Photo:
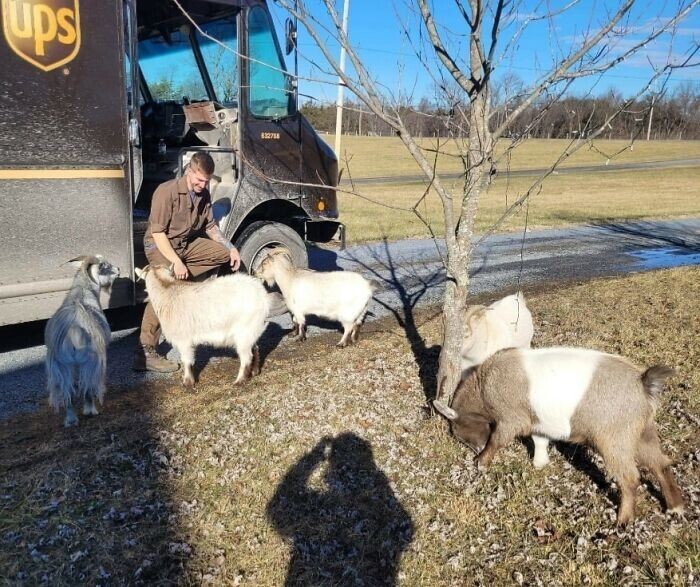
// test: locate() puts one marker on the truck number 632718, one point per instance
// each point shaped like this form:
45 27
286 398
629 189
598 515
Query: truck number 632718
270 135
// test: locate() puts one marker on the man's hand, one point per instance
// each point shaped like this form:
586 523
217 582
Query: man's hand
235 259
180 270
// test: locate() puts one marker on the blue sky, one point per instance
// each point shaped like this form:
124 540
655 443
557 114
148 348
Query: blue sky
391 57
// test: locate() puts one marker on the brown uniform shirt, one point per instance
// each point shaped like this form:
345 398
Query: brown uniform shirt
182 216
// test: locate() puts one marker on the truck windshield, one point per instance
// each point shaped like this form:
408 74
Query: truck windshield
220 57
170 69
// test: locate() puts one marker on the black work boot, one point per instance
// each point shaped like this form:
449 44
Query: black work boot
146 358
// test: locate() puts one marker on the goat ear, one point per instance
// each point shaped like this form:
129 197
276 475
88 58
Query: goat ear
446 411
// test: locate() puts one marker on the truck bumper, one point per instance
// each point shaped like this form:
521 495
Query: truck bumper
324 231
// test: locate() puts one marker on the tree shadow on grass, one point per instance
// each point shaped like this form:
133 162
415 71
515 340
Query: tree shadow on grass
344 522
410 289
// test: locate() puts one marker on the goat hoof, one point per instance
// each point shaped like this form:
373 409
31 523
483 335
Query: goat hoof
540 463
624 521
482 462
188 383
342 345
70 423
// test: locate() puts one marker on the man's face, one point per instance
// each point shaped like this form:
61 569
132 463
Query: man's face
198 180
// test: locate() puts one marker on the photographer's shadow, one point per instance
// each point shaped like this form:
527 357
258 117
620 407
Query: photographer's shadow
344 521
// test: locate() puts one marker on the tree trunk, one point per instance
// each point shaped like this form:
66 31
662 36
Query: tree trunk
460 248
449 371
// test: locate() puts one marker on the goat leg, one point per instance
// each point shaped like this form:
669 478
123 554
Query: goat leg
71 419
541 458
256 361
498 439
89 408
619 457
650 456
294 332
347 332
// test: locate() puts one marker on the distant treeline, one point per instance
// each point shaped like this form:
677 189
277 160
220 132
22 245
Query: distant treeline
673 116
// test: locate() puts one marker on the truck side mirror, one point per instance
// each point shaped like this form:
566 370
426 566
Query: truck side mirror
290 33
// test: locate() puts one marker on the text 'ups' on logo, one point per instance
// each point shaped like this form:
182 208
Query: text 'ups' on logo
44 32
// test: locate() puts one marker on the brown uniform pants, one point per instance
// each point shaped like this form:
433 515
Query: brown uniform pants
200 256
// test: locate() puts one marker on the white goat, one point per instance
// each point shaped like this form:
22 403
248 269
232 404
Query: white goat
335 295
504 324
579 395
228 311
76 339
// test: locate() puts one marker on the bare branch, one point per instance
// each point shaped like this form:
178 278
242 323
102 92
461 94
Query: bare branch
468 85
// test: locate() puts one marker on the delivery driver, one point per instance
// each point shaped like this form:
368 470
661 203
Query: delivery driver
181 232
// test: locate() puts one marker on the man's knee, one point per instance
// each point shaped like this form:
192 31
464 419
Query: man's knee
221 254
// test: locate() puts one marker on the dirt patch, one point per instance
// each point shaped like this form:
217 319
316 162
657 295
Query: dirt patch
325 470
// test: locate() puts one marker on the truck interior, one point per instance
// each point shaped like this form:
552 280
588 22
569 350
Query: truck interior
174 101
183 88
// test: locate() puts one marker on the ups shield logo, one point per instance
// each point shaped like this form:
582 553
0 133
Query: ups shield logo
46 33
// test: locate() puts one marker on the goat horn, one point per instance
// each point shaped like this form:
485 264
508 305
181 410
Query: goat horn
85 260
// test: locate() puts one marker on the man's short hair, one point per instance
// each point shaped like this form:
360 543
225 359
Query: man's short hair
202 161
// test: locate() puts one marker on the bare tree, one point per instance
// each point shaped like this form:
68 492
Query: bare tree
467 42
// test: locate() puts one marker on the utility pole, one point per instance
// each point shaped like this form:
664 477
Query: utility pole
339 101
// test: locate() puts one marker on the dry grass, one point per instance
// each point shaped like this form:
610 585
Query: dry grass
326 468
565 199
386 156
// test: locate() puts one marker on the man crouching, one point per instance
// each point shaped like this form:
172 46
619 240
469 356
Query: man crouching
182 232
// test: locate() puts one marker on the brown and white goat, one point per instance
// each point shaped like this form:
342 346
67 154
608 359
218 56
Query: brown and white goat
571 394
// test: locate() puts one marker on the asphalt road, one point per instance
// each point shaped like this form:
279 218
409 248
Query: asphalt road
409 275
611 168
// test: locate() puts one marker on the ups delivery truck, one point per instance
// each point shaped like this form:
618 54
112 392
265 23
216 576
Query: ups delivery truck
103 100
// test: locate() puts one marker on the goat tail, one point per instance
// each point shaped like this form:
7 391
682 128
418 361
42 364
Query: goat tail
654 378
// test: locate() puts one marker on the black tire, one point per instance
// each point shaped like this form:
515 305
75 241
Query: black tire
261 235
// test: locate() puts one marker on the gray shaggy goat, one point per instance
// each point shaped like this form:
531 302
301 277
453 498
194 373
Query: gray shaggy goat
76 338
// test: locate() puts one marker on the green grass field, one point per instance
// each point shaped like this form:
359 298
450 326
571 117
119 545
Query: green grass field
564 199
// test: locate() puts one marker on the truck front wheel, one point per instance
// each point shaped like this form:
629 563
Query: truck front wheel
257 239
260 236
